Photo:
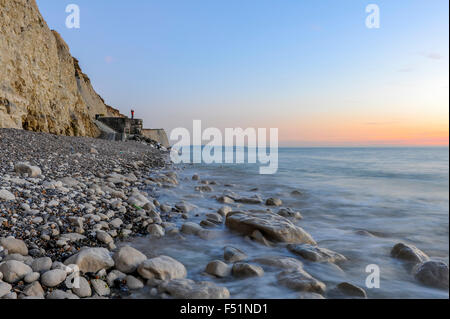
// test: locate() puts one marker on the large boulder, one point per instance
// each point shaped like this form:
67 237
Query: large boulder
432 273
14 246
300 280
315 253
162 268
189 289
91 260
127 259
14 270
409 253
232 255
272 226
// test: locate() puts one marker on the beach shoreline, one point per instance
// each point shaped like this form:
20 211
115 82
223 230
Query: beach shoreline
62 194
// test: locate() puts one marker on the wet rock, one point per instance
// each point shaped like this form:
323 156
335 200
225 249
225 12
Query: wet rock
53 278
215 218
289 213
249 200
279 262
232 254
91 260
207 224
14 246
14 270
223 211
244 270
315 253
163 268
208 234
274 202
83 288
259 237
189 289
351 290
185 207
298 279
155 230
165 208
432 273
272 226
225 200
309 295
409 253
204 188
127 259
190 228
218 268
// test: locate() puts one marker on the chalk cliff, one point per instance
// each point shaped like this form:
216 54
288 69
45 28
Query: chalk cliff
42 87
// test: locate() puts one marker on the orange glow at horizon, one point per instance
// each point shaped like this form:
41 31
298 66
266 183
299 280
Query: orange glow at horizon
356 132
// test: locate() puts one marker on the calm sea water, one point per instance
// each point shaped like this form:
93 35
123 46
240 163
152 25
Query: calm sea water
395 194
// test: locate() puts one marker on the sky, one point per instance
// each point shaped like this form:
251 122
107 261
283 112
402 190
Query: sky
312 69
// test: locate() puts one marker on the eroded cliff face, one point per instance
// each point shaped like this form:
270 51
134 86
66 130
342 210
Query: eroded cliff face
42 87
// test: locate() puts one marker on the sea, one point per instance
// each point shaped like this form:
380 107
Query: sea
359 202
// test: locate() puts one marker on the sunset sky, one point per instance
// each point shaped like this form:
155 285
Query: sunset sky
310 68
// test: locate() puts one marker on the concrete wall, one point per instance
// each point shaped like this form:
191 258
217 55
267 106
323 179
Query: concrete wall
158 135
123 124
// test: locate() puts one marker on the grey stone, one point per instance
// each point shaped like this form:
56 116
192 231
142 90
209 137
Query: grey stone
274 227
162 267
432 273
218 268
189 289
14 246
91 260
409 253
53 278
315 253
247 270
127 259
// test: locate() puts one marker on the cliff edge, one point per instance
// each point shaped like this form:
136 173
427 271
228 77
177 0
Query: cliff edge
42 87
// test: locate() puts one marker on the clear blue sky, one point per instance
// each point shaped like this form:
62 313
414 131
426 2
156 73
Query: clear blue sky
310 68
